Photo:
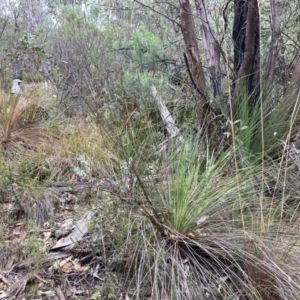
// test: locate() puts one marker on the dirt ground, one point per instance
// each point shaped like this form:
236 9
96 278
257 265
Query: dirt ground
53 247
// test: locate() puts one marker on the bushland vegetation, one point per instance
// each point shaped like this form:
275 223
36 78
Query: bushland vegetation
170 130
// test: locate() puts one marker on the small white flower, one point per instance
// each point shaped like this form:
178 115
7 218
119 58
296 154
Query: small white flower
275 133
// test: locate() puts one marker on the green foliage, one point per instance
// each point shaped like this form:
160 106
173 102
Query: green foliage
139 135
190 198
5 179
146 47
32 77
146 52
200 211
137 86
96 296
191 222
30 249
31 170
262 129
28 49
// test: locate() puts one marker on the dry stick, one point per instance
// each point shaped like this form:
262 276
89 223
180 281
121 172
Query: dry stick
59 293
40 278
150 215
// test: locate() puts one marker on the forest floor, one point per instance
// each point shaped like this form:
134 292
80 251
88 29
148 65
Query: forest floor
54 242
55 248
82 208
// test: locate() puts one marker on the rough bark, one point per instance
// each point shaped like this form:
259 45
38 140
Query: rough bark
189 35
294 87
211 48
276 32
246 48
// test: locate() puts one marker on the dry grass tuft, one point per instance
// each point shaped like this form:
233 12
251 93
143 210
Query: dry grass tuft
40 208
15 113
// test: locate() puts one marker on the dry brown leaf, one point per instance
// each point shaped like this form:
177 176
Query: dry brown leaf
74 267
68 265
59 264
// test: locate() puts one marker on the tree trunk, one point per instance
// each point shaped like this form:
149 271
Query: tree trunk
294 87
211 48
188 32
28 13
275 26
246 49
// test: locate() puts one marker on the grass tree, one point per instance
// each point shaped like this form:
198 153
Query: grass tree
206 228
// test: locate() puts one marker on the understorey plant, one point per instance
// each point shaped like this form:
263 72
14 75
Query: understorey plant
205 228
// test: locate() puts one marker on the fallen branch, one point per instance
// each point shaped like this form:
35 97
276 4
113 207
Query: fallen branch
167 117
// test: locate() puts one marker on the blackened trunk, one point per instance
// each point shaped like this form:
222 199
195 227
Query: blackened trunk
246 50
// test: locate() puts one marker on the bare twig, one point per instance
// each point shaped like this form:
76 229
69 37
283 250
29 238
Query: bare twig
159 13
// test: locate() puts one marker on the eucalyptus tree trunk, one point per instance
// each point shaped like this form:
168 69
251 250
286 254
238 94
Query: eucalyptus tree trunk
246 50
276 32
294 87
194 61
211 48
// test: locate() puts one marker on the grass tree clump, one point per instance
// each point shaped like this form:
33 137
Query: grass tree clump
206 229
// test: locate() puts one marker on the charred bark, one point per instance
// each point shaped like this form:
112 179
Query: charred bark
246 49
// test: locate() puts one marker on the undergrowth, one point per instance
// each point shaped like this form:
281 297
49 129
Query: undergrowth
202 233
211 223
184 220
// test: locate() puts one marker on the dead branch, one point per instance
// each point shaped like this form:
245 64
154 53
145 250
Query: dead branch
167 117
